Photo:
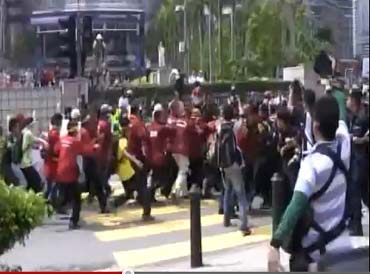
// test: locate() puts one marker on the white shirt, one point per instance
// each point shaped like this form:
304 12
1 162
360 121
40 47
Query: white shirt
314 173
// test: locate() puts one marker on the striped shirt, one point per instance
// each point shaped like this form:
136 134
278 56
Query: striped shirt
314 173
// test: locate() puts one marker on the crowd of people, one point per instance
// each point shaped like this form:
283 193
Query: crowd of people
235 150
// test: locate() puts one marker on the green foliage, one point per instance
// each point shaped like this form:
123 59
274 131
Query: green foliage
20 213
268 34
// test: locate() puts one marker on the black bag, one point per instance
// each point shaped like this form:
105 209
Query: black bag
17 151
227 152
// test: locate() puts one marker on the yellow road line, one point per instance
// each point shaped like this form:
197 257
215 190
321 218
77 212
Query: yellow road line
147 256
154 229
131 214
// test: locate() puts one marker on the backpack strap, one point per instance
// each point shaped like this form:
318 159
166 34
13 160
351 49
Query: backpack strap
325 237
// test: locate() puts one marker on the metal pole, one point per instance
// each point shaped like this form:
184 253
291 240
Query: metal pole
195 227
220 39
78 40
210 46
232 35
186 52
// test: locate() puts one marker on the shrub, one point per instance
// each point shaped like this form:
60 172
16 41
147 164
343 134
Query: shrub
20 213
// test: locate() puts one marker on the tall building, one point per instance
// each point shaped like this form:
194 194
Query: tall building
336 15
361 28
2 26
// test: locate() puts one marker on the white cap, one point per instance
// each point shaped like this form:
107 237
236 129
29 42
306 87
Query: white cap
157 108
99 37
130 92
75 114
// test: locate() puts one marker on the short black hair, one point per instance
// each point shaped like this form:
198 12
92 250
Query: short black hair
135 109
284 115
297 90
124 121
264 108
13 122
327 114
56 119
228 112
309 98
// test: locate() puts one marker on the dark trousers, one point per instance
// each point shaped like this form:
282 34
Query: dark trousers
129 187
94 181
196 176
264 170
158 178
71 192
144 191
358 188
172 170
33 179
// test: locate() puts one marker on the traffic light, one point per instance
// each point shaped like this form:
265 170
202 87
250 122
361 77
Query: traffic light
87 40
87 34
67 47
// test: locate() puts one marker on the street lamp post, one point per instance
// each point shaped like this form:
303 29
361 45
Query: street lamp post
184 44
230 12
78 40
207 13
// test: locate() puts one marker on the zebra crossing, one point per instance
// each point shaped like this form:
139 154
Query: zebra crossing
135 244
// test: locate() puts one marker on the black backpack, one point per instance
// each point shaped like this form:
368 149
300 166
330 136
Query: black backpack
294 246
17 150
227 151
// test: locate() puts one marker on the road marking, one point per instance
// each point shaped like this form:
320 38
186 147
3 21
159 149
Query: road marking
147 256
128 215
154 229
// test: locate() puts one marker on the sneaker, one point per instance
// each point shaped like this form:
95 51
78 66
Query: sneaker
246 232
147 218
73 226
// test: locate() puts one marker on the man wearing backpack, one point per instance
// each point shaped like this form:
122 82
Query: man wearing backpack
230 160
316 216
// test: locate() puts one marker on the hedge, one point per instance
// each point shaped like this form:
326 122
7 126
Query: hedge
112 95
20 212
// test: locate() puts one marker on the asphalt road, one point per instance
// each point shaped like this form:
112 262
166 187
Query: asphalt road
121 240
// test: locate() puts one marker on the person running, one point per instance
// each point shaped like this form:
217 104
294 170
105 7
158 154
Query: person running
125 170
90 166
359 128
28 140
137 145
50 159
320 190
68 149
230 161
159 134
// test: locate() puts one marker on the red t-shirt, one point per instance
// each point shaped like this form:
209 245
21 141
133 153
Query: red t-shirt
51 160
137 138
68 149
157 144
198 132
105 139
182 138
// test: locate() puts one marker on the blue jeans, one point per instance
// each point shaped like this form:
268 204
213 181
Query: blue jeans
234 183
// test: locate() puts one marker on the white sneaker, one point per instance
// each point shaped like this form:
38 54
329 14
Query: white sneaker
257 202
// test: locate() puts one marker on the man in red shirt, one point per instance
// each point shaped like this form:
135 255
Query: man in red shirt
198 132
68 171
137 146
105 152
90 166
159 134
180 145
50 159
